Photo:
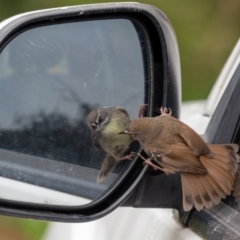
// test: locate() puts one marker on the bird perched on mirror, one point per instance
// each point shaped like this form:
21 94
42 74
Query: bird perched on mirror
207 170
104 124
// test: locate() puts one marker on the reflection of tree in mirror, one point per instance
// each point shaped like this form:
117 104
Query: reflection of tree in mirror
53 136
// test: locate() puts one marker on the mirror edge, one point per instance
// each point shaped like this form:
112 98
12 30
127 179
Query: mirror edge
171 97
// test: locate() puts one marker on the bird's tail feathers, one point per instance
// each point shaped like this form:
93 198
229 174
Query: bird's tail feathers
108 164
204 190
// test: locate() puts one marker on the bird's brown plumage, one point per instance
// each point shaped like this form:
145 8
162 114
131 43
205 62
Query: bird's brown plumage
207 171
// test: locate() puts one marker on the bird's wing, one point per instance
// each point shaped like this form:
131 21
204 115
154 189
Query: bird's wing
96 144
194 141
178 158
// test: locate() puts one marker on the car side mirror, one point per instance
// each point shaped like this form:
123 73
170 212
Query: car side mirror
59 65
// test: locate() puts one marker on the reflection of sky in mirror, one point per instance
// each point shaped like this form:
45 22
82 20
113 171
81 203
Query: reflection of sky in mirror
57 68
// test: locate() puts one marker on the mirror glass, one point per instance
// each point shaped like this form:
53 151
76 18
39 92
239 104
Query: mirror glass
51 78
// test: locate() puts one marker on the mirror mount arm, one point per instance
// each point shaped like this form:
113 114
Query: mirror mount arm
159 191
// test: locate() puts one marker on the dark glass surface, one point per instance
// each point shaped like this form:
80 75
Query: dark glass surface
51 77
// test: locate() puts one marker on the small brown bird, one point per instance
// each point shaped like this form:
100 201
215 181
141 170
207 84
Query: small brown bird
104 124
207 171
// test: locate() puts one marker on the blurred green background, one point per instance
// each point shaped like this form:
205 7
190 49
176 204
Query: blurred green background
206 32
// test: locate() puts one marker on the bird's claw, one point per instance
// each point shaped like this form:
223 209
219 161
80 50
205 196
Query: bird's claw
148 162
155 167
165 111
141 110
128 157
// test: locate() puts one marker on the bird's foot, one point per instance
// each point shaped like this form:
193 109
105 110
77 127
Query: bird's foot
128 157
148 162
165 111
141 110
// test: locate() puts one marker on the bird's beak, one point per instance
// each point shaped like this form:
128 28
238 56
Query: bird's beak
124 132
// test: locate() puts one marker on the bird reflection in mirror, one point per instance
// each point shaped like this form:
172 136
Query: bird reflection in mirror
104 124
207 171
